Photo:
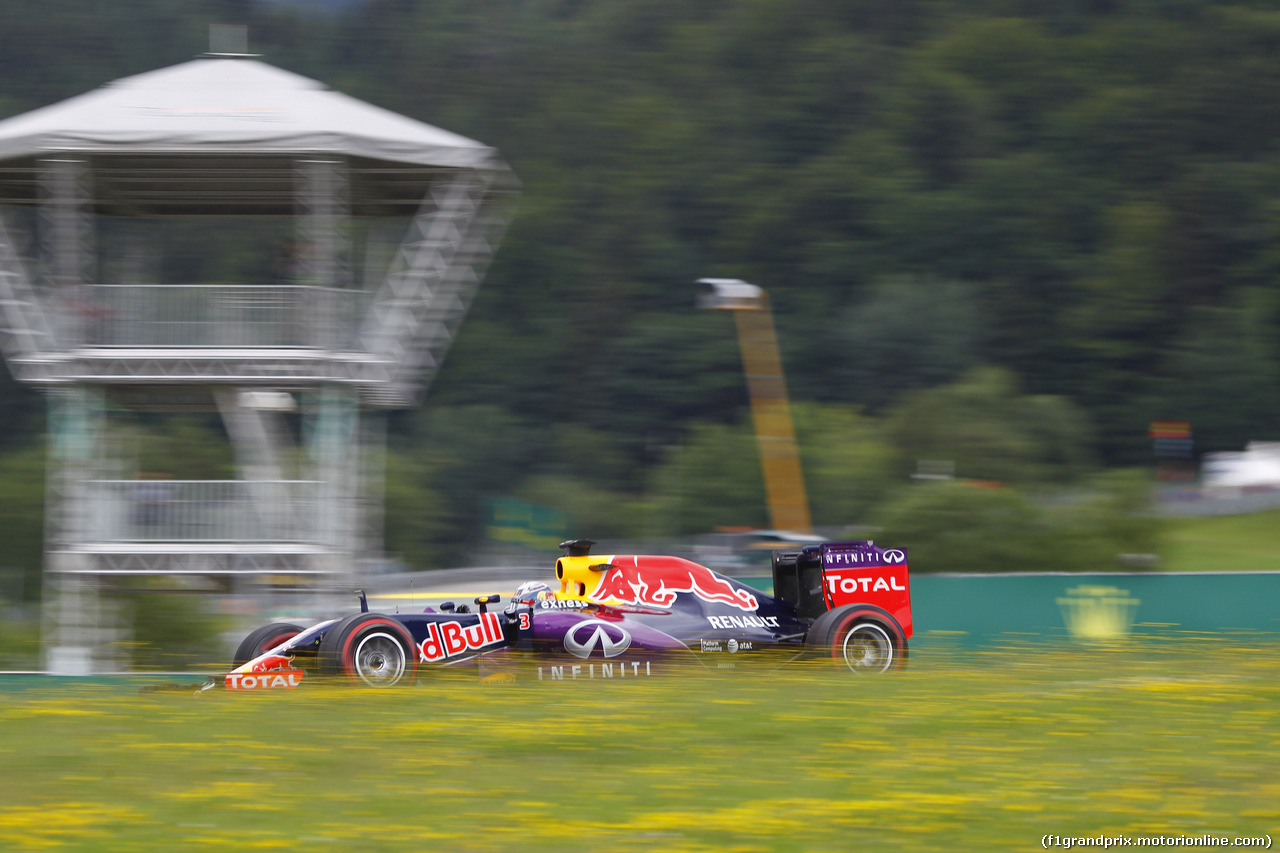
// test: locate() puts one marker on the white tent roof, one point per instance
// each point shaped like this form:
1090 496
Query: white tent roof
223 105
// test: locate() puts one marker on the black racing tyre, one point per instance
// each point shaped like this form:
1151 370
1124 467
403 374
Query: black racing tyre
264 640
859 638
369 649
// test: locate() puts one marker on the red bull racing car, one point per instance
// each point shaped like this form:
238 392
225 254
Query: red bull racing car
614 616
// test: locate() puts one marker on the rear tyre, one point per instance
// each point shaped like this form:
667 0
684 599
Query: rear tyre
264 640
369 649
859 638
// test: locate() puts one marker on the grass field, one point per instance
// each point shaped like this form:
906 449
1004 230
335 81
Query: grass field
986 750
1223 543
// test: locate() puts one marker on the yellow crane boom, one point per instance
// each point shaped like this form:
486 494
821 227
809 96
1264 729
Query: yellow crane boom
770 409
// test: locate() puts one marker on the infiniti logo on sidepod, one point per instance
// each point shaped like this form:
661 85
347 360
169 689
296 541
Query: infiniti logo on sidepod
585 637
893 555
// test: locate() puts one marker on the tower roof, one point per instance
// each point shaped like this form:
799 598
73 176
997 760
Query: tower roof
231 106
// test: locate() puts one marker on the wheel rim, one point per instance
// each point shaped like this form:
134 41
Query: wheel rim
379 660
866 648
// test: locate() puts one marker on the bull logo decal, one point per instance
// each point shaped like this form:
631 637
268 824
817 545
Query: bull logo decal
657 581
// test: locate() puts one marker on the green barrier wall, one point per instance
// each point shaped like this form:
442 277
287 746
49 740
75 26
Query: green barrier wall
1101 606
1094 606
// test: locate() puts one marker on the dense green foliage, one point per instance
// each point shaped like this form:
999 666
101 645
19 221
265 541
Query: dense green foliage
21 523
1005 233
1243 542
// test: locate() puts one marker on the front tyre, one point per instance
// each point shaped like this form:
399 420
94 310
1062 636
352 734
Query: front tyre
369 649
264 640
859 638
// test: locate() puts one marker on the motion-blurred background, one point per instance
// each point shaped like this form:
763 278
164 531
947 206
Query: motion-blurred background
1001 240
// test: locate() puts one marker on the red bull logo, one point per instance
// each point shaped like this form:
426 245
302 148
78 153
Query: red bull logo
657 580
450 639
267 663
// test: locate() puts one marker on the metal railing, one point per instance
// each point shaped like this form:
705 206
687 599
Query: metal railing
172 511
214 316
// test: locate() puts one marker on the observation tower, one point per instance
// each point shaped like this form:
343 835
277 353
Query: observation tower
223 235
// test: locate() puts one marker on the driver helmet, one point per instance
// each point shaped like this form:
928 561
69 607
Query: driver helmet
531 591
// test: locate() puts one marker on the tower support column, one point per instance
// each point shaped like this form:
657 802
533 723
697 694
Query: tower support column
77 626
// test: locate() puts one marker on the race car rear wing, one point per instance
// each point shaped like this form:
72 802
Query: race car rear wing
818 578
797 580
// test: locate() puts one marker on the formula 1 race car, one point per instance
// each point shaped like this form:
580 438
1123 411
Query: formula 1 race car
616 616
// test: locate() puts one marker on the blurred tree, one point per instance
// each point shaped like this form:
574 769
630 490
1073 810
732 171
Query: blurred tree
848 466
710 479
602 457
464 455
1223 375
1124 320
666 370
1110 517
911 333
173 630
955 527
21 522
415 513
991 432
185 447
23 409
593 511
